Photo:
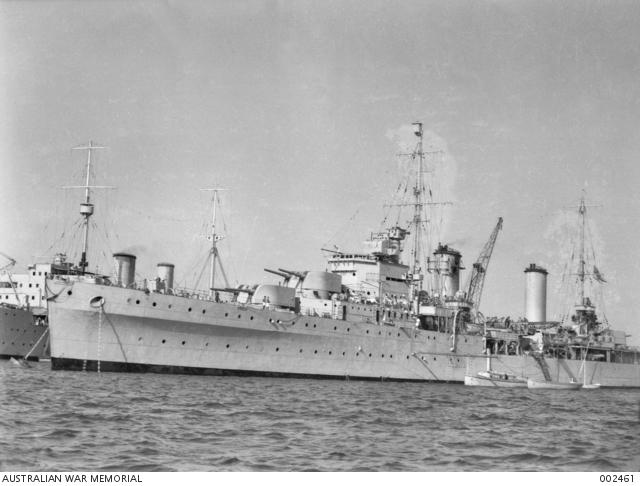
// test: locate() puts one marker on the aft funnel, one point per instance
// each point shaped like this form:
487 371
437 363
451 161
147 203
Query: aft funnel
535 297
165 274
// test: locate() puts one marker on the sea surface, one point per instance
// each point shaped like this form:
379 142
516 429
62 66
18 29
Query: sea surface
64 420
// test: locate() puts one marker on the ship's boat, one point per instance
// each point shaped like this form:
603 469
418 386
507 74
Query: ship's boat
368 316
591 386
493 379
553 385
490 378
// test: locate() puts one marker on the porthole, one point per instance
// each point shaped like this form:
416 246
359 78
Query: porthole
367 331
335 328
164 341
239 316
169 306
251 318
398 334
277 349
379 333
383 355
69 292
407 356
227 346
357 354
348 329
301 350
306 324
330 352
154 304
226 314
204 311
184 342
206 344
189 309
369 355
139 339
315 352
314 325
391 356
434 358
343 353
137 301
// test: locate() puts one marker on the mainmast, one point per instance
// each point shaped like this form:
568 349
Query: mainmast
214 238
418 203
86 208
582 210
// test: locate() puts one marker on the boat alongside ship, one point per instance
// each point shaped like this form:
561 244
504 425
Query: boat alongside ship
367 316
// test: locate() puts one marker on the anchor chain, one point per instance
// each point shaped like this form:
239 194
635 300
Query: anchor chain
100 315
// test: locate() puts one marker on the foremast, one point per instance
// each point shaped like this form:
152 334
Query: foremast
419 255
87 207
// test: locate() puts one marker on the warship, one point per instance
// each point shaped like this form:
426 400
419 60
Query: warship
369 315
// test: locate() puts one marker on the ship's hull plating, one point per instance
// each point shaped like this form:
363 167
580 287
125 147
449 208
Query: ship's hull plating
139 332
19 333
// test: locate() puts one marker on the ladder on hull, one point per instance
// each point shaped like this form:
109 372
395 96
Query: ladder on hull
543 365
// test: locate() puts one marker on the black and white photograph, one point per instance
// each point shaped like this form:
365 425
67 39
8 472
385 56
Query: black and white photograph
338 236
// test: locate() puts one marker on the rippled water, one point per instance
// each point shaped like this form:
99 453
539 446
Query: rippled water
59 420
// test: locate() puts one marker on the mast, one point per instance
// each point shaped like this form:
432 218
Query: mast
417 211
86 208
214 238
581 272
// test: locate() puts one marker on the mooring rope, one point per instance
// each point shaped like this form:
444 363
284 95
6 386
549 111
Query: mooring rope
26 356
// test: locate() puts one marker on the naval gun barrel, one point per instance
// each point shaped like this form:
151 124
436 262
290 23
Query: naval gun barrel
233 290
276 272
300 275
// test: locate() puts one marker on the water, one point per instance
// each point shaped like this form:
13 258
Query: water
59 420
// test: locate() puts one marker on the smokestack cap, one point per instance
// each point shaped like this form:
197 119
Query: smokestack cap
126 255
534 268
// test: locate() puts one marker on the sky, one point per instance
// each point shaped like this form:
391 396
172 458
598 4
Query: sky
299 109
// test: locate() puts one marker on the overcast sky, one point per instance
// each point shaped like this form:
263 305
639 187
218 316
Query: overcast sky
300 109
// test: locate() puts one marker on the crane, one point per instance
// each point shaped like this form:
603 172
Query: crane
11 263
5 269
476 281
